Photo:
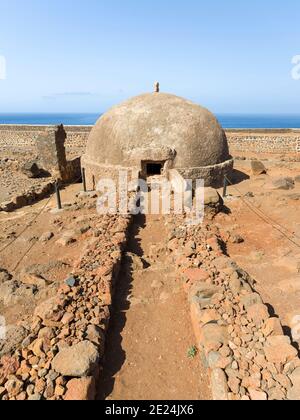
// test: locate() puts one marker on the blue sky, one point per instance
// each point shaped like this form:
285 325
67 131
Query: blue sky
84 56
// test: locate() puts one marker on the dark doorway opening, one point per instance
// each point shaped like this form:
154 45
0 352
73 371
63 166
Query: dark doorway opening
153 169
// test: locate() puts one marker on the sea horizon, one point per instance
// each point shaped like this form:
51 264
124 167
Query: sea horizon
227 120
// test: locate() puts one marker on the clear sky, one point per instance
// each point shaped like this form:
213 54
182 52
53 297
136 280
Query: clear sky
84 56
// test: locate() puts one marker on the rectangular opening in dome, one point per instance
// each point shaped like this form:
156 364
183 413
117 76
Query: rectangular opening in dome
154 168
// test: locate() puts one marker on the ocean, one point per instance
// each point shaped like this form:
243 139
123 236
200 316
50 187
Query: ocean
240 121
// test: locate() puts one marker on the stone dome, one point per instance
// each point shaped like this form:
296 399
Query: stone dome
157 128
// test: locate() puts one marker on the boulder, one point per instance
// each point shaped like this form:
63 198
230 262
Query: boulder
46 237
258 168
192 276
7 291
31 170
96 336
14 386
80 360
250 300
32 278
295 377
49 311
283 184
14 337
297 179
273 327
213 337
213 202
258 313
294 392
219 385
202 294
4 276
257 395
83 389
278 349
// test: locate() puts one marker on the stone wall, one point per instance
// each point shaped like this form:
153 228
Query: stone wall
26 135
264 141
242 343
259 141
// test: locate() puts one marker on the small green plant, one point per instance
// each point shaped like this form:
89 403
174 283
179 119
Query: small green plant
192 353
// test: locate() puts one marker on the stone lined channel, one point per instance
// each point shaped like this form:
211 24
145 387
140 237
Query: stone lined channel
150 332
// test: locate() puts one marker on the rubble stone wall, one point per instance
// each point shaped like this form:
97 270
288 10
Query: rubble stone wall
260 141
242 343
265 141
26 135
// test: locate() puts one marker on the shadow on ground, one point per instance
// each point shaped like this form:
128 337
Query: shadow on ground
237 177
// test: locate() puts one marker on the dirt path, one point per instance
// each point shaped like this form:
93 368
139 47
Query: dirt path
151 333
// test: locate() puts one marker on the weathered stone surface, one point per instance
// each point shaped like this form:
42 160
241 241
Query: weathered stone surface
258 313
49 311
278 349
258 168
250 300
295 377
14 386
14 337
276 394
219 385
210 160
256 395
77 361
294 392
216 361
31 170
283 184
272 326
203 293
83 389
32 278
7 291
4 276
195 275
213 336
96 336
46 237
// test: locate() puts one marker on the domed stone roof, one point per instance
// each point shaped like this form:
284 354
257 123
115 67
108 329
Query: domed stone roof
144 125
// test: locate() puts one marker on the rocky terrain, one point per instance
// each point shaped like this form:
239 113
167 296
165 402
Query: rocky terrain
55 352
92 302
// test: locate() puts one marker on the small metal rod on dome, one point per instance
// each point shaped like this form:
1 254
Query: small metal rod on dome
156 87
58 198
83 179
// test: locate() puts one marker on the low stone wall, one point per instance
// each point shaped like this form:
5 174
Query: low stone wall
212 175
26 135
259 141
28 197
70 327
243 345
264 141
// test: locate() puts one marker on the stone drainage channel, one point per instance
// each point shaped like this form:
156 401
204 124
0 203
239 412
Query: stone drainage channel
150 335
